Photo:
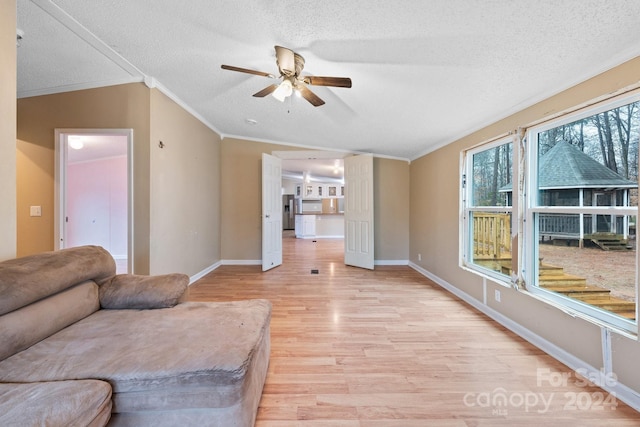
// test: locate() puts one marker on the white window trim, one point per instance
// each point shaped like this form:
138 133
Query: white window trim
524 207
530 267
466 243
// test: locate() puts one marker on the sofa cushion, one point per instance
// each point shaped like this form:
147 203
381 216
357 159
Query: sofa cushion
28 325
31 278
53 404
193 355
136 291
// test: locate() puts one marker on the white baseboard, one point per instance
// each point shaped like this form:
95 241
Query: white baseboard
391 262
241 262
204 272
319 237
620 391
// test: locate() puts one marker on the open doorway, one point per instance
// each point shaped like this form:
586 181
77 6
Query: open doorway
357 213
313 195
93 183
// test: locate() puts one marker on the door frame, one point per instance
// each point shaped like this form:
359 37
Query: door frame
60 184
308 154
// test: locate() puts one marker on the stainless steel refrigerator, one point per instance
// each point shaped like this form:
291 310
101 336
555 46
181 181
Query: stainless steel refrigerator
288 212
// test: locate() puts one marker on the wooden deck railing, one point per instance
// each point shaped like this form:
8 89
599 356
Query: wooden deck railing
561 224
491 236
568 225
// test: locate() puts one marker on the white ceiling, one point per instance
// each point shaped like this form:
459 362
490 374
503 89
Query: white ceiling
95 146
324 166
424 73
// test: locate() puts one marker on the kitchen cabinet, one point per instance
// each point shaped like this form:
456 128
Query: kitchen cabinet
329 226
319 226
310 191
319 190
298 225
334 190
305 226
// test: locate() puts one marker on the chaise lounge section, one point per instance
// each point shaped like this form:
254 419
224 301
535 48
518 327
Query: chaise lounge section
67 318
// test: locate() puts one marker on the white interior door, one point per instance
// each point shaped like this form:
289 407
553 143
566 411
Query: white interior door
271 212
358 211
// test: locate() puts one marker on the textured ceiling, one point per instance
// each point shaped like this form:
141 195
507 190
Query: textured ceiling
424 73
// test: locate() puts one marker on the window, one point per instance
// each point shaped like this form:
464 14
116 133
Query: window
487 201
582 208
577 218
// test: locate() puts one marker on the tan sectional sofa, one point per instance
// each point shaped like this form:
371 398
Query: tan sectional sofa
84 346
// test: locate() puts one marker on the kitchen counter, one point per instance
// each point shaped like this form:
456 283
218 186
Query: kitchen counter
321 213
320 225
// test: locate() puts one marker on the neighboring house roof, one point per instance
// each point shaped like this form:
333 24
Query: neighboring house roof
564 166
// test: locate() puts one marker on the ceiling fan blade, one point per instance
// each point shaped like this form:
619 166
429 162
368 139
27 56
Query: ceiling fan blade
328 81
248 71
285 58
266 91
310 96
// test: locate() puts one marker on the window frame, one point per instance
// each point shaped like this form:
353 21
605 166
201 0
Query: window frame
466 195
524 207
532 208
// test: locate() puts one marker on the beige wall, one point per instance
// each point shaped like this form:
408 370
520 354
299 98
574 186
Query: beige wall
435 183
185 190
180 197
241 202
125 106
7 129
241 197
176 189
391 209
35 188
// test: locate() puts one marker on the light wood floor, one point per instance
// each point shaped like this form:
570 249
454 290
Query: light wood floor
359 348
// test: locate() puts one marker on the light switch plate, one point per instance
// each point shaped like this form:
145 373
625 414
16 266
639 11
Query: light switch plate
36 211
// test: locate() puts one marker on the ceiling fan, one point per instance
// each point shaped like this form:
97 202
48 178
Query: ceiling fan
290 65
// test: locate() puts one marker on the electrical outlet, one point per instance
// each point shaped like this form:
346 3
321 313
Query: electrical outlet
419 257
497 295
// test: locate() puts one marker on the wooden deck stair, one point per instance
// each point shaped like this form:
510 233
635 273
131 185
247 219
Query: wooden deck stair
555 279
609 241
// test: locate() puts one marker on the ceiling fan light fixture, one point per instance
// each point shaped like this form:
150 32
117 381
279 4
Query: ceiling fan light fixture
290 65
284 90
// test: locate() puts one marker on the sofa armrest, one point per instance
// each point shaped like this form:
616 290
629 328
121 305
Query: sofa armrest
137 291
